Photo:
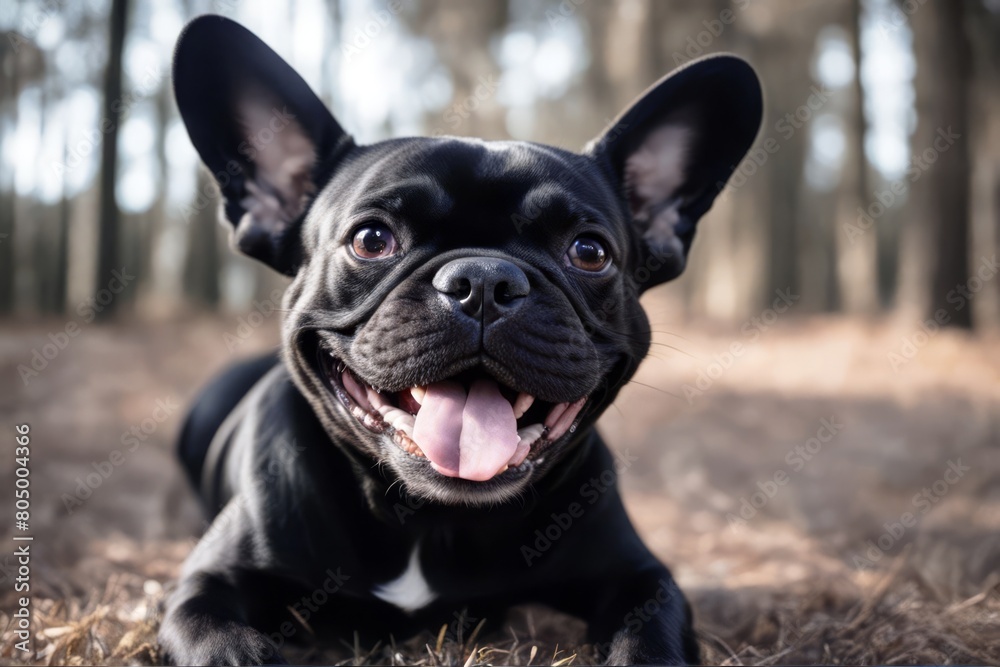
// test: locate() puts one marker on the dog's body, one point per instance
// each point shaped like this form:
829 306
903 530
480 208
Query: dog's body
460 315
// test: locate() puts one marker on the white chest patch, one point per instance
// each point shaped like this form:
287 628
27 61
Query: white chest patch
409 591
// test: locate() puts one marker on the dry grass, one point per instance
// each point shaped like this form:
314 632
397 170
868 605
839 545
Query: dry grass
785 588
834 623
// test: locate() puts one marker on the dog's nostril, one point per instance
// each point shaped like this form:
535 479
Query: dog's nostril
482 282
502 294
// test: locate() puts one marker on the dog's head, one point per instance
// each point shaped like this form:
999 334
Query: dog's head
460 309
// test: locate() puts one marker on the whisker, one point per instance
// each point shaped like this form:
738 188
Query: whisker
676 349
392 485
668 333
649 386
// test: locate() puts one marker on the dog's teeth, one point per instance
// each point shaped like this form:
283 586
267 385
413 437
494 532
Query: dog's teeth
528 435
355 390
384 410
566 419
404 441
418 394
403 422
341 366
377 401
502 469
398 419
372 422
555 413
407 444
522 403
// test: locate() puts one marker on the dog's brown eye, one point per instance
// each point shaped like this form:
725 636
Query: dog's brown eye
587 253
374 241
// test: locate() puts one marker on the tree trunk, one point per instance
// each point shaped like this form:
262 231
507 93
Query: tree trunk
940 210
857 249
108 257
9 92
201 266
984 26
62 244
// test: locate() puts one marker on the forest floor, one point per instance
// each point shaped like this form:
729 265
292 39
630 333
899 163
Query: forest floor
818 569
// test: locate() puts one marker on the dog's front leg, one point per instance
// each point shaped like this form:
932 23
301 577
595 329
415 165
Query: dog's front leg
642 618
206 624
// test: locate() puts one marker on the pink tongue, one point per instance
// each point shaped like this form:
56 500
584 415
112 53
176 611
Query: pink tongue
466 436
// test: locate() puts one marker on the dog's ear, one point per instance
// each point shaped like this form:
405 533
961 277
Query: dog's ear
672 151
267 139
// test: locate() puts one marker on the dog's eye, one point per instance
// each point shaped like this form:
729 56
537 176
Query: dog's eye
587 253
373 241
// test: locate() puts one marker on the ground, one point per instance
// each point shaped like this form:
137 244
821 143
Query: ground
826 493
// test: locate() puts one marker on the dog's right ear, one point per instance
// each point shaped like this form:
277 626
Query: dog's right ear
267 139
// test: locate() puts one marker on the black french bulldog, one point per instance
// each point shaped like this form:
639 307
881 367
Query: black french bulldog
460 314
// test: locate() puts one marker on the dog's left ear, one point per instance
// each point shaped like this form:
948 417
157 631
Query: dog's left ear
268 140
672 151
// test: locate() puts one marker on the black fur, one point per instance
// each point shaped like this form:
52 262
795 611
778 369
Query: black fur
308 499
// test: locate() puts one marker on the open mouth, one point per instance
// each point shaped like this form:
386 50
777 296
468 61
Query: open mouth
468 426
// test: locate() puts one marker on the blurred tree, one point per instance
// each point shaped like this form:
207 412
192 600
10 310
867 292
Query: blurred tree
201 260
857 254
51 223
62 233
9 91
108 251
783 36
938 220
462 33
771 230
984 29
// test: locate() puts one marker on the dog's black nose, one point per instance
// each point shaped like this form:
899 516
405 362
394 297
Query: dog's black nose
479 283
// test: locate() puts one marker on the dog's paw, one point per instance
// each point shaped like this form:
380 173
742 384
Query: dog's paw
242 646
